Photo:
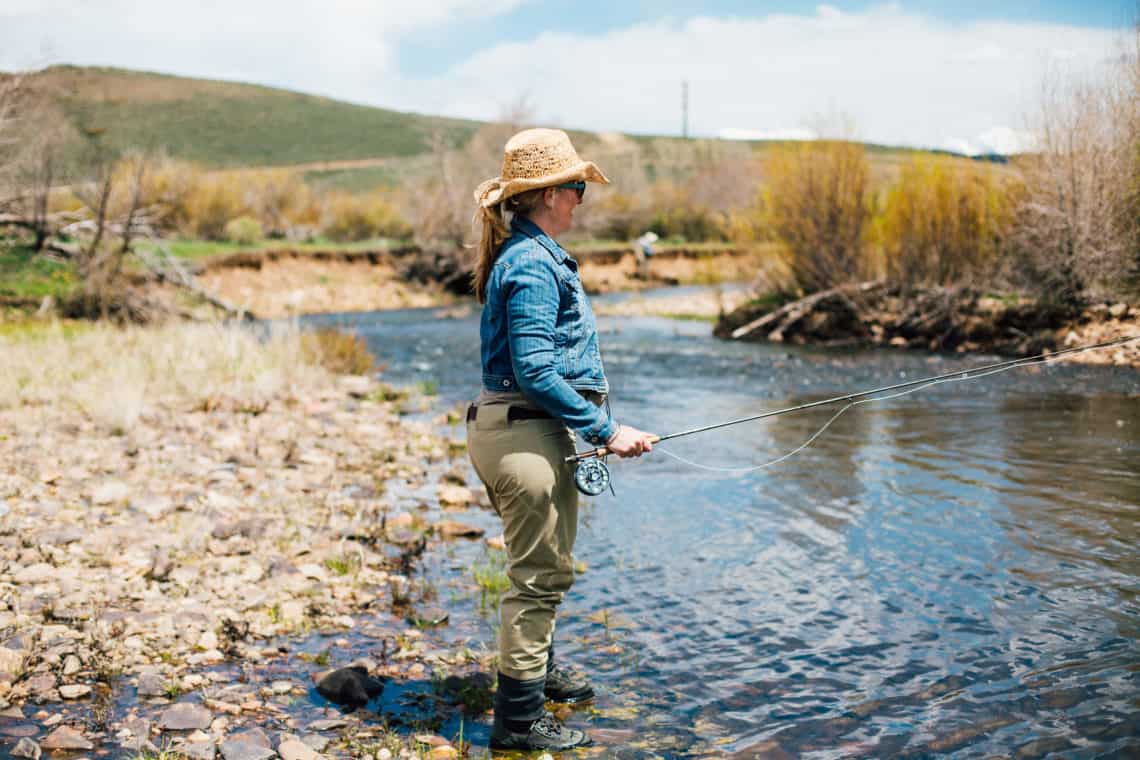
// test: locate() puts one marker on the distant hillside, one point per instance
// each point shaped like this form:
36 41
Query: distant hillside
230 125
223 124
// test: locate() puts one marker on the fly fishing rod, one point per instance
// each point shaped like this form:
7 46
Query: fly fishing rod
592 476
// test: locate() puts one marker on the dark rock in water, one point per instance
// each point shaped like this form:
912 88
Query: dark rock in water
351 687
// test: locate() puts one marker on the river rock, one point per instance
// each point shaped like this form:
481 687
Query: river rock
351 687
327 724
41 572
20 730
292 749
203 750
239 750
11 660
151 684
72 665
66 737
111 492
253 735
185 717
27 748
74 691
4 508
154 506
451 495
42 687
453 529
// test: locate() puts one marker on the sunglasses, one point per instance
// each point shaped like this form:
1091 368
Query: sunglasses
578 187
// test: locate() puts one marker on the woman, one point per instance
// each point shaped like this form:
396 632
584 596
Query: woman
542 378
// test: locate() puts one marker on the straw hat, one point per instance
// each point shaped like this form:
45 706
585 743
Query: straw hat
537 158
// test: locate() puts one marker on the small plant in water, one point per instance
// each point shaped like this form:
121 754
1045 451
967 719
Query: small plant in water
346 564
172 689
491 578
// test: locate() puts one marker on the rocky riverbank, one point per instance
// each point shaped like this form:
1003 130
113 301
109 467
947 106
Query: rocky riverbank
159 564
939 319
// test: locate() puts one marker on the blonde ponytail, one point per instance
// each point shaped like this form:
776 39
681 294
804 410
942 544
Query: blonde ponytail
495 221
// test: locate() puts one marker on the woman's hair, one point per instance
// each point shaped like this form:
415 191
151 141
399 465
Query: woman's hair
496 222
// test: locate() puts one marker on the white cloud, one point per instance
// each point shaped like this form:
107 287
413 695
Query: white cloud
340 48
1004 140
903 78
784 133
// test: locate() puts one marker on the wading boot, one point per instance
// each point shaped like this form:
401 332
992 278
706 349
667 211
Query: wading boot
545 733
521 721
566 686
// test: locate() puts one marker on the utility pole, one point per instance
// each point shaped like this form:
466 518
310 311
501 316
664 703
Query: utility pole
684 108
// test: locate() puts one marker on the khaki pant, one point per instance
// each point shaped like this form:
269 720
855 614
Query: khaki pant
532 488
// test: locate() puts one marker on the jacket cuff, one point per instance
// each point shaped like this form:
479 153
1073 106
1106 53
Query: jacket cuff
602 435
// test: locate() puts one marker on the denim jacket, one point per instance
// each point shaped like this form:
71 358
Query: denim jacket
538 332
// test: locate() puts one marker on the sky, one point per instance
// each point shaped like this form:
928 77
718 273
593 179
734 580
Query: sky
952 75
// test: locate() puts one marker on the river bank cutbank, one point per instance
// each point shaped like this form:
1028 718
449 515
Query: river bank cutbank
190 505
280 283
947 320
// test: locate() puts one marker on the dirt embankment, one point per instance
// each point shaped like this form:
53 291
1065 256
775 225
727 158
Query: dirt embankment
283 282
937 319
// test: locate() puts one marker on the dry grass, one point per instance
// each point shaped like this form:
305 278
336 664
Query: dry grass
114 376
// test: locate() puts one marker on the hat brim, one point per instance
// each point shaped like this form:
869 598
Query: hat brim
496 191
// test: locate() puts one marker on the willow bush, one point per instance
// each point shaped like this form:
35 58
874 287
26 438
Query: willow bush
817 202
944 222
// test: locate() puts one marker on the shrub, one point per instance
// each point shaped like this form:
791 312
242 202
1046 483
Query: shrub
817 203
339 352
943 222
245 230
350 217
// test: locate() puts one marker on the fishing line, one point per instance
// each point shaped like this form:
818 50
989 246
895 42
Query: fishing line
826 425
592 476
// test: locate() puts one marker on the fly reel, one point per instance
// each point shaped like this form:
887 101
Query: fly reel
592 476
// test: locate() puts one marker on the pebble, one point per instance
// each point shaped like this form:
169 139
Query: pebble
111 492
295 750
74 691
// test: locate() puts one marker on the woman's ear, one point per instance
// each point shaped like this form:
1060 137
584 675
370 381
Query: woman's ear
548 197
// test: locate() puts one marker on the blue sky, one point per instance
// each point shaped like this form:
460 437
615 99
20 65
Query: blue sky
960 76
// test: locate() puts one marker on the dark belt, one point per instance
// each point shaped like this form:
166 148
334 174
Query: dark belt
514 414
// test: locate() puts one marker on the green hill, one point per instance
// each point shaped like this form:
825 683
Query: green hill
335 144
225 124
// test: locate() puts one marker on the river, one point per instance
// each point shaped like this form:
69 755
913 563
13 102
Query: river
954 571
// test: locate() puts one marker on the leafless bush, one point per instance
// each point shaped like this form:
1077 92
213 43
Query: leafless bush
1078 227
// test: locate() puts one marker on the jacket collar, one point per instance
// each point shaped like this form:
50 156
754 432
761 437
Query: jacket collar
533 231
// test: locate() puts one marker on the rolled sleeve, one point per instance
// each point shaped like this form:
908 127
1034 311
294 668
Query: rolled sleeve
532 304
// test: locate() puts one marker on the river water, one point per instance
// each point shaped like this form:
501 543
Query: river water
951 572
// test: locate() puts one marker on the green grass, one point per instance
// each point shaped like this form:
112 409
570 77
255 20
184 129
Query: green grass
203 249
354 181
224 124
24 274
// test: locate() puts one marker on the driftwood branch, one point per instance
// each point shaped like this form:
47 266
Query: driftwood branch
167 268
803 305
